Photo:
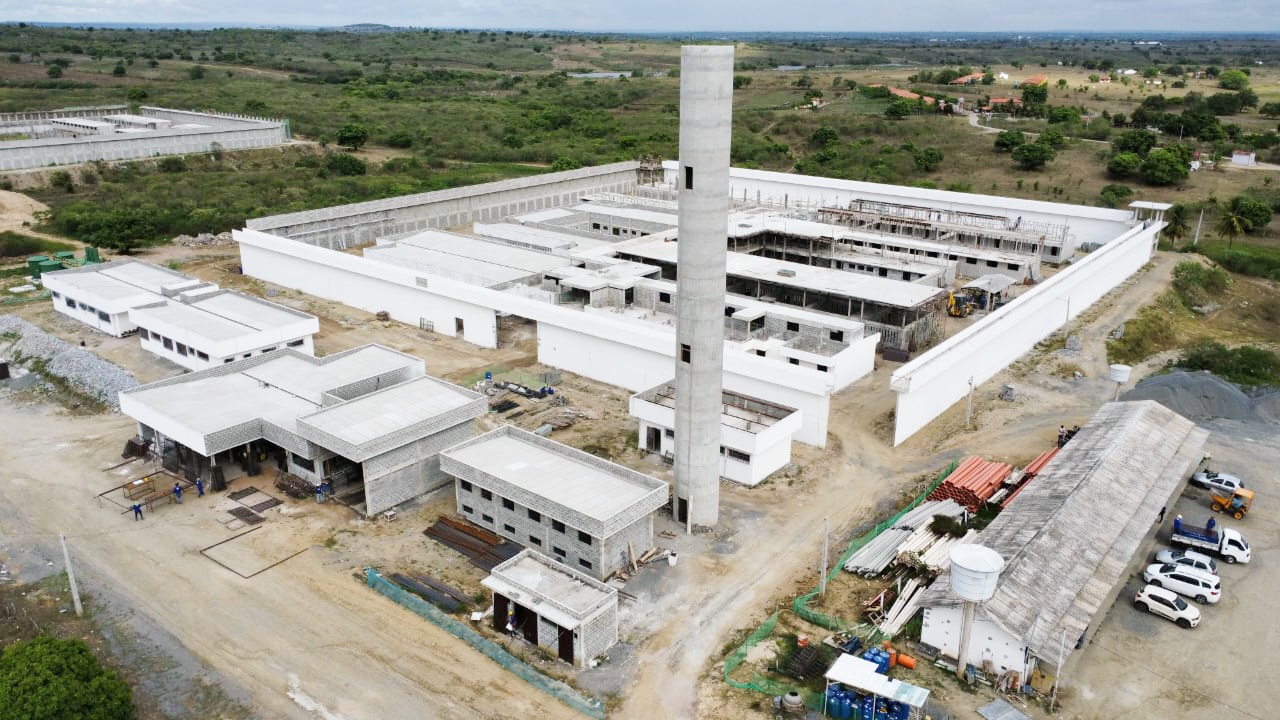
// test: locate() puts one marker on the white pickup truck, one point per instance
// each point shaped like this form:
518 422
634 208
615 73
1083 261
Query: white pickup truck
1224 542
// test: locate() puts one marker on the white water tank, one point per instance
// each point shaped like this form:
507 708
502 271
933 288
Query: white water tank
1120 373
975 572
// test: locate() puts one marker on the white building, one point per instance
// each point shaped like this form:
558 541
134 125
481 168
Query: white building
555 607
755 436
177 317
368 421
219 327
1070 539
102 295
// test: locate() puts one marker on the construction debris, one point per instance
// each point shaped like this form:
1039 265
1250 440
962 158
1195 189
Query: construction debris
883 550
484 549
432 590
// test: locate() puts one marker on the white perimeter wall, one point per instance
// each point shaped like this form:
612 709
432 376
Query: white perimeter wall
1087 224
635 355
932 382
987 640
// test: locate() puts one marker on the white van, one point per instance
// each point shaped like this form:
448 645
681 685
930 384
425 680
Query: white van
1188 581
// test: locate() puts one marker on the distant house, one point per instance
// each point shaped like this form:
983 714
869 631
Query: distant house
969 79
905 94
1002 104
1244 157
1036 80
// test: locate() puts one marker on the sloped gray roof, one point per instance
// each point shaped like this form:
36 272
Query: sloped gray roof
1069 536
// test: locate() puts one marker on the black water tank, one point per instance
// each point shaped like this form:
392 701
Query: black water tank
4 369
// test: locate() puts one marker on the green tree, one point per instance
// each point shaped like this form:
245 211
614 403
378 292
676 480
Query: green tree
352 135
136 94
1138 142
196 72
1233 80
1256 212
565 163
1271 110
1231 222
1033 156
1053 137
61 179
1063 114
1164 167
400 139
1177 221
118 70
1034 95
51 679
740 81
54 71
900 108
1007 140
823 136
1123 165
928 159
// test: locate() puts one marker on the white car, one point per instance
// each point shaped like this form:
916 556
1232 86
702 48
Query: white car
1187 581
1168 605
1213 480
1191 558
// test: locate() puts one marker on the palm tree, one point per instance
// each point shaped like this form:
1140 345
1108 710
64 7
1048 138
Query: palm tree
1177 224
1232 223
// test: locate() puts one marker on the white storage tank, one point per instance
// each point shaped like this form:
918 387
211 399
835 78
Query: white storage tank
975 572
1120 373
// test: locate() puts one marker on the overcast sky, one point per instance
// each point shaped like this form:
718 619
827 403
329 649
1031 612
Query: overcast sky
680 15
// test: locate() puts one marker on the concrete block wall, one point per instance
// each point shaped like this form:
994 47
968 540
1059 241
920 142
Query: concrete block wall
638 533
598 634
363 223
25 154
405 473
370 384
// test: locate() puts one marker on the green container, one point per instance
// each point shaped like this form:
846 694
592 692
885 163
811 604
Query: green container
65 255
49 266
33 265
91 255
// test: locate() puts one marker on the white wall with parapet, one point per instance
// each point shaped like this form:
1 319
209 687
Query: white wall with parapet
931 383
1087 224
24 154
604 346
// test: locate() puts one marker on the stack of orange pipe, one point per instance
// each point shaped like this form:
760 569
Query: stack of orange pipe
972 482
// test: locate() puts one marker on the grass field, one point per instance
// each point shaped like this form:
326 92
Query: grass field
450 107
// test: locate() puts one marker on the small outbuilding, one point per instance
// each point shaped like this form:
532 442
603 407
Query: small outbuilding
555 607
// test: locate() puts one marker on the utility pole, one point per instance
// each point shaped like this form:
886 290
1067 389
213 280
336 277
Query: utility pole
822 579
1199 223
71 577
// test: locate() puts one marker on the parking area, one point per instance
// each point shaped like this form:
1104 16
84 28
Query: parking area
1141 665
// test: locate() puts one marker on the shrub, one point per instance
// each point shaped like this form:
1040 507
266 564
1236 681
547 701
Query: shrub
1245 365
400 139
1255 260
1123 165
1115 195
172 164
1007 140
1194 282
1033 156
48 678
345 164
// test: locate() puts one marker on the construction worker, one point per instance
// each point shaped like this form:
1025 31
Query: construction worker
1160 517
137 512
199 487
1062 435
320 493
177 493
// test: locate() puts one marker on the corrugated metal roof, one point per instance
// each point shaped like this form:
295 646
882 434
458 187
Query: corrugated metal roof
1069 537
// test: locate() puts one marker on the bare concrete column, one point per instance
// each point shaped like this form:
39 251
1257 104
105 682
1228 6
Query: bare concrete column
706 114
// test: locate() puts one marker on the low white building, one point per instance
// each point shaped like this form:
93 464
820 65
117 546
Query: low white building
102 295
755 436
1244 157
567 612
220 327
368 421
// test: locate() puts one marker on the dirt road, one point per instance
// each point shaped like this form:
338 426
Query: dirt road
345 652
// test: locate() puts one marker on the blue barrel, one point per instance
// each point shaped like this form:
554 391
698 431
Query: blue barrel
846 706
833 699
488 375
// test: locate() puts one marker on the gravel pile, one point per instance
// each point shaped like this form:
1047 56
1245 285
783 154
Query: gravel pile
1202 396
222 238
83 369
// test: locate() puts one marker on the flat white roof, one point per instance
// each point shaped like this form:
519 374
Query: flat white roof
556 473
123 279
544 215
573 597
491 263
392 409
536 236
222 316
1149 205
83 122
130 118
152 278
296 375
836 282
630 213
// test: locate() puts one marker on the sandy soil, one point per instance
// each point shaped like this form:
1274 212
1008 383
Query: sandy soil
17 213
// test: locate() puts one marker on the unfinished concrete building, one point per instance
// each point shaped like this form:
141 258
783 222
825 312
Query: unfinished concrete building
368 421
755 436
706 112
555 607
582 511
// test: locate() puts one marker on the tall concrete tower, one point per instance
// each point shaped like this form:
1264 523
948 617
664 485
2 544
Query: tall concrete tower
706 114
